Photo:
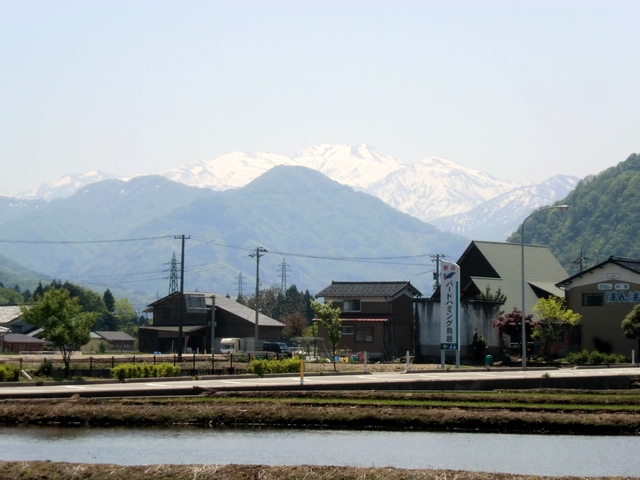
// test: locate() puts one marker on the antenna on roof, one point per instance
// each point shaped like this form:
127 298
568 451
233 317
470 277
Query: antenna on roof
580 262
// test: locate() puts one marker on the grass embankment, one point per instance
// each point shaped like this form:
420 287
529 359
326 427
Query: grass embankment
608 412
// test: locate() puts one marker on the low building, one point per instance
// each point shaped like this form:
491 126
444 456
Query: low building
376 317
118 341
497 267
232 319
18 342
604 294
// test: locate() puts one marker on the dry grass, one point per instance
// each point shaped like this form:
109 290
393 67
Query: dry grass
343 410
71 471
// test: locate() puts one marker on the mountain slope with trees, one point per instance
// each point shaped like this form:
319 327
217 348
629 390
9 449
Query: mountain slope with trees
603 219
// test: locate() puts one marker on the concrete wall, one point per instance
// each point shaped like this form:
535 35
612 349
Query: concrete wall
474 315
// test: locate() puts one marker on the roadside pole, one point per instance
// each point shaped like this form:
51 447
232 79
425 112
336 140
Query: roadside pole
301 372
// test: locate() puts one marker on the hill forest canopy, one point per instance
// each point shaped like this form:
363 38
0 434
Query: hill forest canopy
602 220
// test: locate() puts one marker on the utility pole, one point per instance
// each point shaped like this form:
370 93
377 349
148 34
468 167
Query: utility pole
436 275
180 339
283 270
213 322
580 261
257 254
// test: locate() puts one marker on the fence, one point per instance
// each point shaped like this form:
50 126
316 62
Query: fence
100 366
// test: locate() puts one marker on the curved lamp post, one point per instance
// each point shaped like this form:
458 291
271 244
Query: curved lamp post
523 315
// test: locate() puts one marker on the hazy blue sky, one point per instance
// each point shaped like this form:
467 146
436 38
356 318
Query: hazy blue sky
519 89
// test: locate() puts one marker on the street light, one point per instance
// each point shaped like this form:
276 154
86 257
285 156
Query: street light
524 329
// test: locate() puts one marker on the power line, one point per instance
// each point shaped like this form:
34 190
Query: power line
64 242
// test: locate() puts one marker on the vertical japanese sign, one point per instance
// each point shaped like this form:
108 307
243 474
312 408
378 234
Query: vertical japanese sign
450 306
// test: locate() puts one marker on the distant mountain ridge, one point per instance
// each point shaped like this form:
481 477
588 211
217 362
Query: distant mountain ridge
324 230
431 190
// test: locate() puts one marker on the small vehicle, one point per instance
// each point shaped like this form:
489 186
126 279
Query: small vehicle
277 347
231 345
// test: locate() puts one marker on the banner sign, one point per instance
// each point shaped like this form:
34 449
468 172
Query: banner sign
450 307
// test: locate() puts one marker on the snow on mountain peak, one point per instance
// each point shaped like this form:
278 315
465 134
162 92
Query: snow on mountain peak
358 166
433 188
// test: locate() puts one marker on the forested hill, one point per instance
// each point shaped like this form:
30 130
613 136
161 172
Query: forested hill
603 218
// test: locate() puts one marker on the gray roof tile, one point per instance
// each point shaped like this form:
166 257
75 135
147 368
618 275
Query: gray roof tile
368 289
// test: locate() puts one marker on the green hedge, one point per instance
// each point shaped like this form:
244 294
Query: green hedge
144 370
262 367
9 373
585 357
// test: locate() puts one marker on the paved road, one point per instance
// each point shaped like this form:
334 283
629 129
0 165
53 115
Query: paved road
425 380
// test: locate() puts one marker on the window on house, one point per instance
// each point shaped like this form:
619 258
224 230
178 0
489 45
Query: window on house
592 299
348 330
195 303
364 335
352 305
166 312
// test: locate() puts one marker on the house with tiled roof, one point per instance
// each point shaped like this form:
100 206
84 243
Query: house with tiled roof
11 320
116 341
377 317
604 294
495 266
232 320
18 342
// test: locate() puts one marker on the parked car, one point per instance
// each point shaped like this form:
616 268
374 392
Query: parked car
277 347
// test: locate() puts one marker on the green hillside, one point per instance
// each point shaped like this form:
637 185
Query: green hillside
603 218
297 214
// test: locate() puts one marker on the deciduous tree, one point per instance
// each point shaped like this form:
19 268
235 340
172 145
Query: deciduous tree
554 317
62 320
631 325
330 318
511 324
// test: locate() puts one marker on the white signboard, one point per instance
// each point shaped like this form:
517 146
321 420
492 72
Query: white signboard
450 306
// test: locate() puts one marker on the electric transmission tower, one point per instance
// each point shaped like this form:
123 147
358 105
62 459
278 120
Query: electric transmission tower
240 285
283 270
173 275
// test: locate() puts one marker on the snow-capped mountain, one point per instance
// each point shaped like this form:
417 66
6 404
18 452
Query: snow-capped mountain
359 167
498 217
232 170
436 187
454 197
66 185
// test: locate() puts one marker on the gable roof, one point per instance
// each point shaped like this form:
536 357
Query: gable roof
9 313
368 289
631 264
499 265
229 305
21 338
115 336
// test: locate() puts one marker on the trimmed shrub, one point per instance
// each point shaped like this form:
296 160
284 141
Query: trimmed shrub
595 358
9 373
144 370
262 367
